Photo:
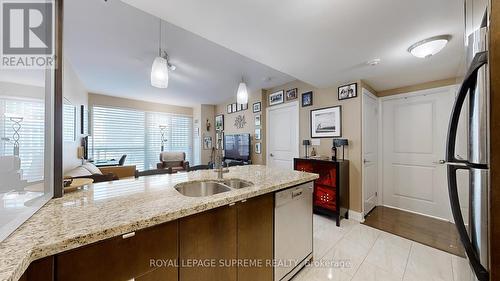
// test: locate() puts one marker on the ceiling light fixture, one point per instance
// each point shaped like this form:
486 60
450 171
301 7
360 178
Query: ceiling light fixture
373 62
429 47
160 68
242 94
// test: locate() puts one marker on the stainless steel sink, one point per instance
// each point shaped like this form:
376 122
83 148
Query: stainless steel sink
236 183
201 189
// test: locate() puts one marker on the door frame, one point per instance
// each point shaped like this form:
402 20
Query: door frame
423 92
294 105
367 92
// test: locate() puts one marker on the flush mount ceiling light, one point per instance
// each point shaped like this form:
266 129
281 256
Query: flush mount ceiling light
429 47
373 62
160 68
242 94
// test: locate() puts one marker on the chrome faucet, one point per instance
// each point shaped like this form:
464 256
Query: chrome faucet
219 158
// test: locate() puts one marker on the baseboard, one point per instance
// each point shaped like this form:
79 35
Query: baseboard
353 215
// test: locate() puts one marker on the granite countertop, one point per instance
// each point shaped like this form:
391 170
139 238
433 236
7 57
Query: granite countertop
109 209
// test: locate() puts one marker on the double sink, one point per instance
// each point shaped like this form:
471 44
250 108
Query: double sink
210 187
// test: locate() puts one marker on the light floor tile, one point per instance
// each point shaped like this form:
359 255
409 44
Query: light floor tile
369 272
353 254
389 256
363 235
428 263
461 269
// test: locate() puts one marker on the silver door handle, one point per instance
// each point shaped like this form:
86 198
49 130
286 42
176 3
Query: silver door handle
366 161
440 162
272 155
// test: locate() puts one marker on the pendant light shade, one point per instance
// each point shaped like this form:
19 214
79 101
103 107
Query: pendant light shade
242 94
159 73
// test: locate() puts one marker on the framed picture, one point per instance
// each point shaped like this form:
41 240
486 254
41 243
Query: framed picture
257 134
291 94
207 143
234 107
229 108
326 122
244 106
348 91
258 120
258 148
257 107
240 107
219 122
277 98
307 99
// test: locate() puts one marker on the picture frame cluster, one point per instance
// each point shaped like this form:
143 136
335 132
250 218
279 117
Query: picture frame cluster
236 107
257 108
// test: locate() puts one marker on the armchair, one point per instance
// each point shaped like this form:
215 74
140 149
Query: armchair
175 160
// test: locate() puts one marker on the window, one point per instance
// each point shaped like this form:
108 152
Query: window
31 134
69 123
119 131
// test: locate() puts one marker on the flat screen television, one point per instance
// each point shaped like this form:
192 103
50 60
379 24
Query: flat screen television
237 147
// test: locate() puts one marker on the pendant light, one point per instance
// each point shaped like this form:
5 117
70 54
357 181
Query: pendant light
160 68
242 94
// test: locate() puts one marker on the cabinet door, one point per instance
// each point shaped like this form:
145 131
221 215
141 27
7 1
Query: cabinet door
209 237
121 258
40 270
255 237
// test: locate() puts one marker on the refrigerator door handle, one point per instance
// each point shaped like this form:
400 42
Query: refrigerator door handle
481 272
469 84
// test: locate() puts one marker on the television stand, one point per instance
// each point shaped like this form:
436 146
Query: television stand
234 162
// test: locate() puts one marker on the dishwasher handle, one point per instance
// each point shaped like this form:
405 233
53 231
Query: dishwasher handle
297 193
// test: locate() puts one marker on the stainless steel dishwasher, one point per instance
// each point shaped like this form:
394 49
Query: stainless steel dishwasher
293 230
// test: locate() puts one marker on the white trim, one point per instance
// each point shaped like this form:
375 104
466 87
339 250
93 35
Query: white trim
294 105
366 92
356 216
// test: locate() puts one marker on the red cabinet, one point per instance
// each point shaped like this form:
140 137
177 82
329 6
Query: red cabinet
331 190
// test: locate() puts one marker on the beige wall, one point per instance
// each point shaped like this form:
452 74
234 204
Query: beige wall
75 92
99 99
249 128
202 113
8 89
351 130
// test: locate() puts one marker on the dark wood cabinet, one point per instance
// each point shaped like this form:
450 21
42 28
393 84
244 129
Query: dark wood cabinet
208 237
255 238
122 258
40 270
202 247
331 190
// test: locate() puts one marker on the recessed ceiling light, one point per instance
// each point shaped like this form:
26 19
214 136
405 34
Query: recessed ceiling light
429 47
373 62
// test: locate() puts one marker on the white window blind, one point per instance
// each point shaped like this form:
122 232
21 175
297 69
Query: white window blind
69 123
118 131
31 135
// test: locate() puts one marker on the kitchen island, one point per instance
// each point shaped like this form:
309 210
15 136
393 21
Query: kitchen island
116 209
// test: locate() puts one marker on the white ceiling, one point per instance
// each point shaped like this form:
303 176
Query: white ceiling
326 42
112 45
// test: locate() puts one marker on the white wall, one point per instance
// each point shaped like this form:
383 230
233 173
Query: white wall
76 93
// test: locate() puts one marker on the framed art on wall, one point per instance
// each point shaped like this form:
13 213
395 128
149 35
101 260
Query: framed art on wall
307 99
229 108
348 91
257 134
277 98
219 122
234 107
257 107
258 120
291 94
326 122
258 148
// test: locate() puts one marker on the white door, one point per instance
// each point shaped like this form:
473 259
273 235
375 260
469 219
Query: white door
282 135
370 151
414 140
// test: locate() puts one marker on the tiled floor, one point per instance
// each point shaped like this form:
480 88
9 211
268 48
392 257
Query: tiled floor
355 252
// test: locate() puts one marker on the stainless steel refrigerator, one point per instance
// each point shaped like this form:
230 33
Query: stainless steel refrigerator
472 102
